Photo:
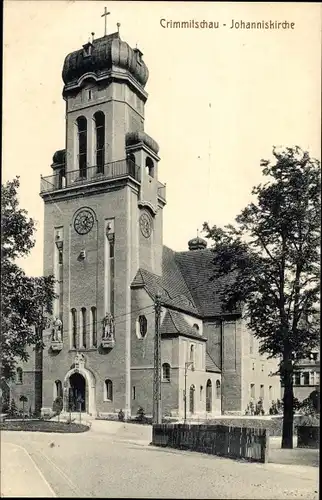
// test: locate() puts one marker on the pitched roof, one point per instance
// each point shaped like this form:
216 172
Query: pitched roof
174 323
197 270
211 365
185 283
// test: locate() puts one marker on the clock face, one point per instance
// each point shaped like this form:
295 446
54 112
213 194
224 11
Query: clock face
145 225
84 221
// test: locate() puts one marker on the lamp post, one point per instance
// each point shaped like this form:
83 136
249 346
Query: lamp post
186 366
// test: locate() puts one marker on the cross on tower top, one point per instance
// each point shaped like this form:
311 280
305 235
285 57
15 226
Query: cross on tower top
105 14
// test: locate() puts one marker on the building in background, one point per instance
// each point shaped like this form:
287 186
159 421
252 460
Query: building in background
307 376
103 241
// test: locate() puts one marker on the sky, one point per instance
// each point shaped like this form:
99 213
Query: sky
219 99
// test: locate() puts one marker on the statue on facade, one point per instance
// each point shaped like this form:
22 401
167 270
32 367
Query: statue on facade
57 330
108 326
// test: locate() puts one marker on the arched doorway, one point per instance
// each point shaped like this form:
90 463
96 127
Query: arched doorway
77 392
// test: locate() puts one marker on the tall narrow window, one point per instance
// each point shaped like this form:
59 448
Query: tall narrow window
306 378
192 353
209 396
19 376
133 392
270 393
166 372
149 166
261 391
108 390
131 164
82 145
218 390
99 118
94 326
74 328
112 272
84 327
252 391
58 389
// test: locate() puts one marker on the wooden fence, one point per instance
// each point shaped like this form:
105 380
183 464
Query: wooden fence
231 442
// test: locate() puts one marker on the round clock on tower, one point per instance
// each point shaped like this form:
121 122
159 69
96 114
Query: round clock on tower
145 224
84 222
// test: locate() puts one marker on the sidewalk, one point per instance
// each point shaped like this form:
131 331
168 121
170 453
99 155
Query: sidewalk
20 476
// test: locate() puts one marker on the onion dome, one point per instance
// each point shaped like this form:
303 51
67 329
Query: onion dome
99 57
137 137
197 244
59 157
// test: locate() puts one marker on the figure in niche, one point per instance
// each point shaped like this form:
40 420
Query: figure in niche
108 327
57 330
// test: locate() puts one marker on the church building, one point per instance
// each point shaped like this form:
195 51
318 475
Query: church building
103 243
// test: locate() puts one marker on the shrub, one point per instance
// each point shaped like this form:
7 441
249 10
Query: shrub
309 421
140 415
311 405
121 415
5 407
250 410
13 410
259 409
58 405
273 409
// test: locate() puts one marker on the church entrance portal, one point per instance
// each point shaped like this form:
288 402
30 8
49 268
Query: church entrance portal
77 392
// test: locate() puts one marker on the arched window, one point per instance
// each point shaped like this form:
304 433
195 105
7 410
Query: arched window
166 372
74 328
149 166
196 328
192 399
108 390
201 393
58 389
99 119
131 164
94 326
218 391
142 326
83 340
209 396
82 145
192 354
19 375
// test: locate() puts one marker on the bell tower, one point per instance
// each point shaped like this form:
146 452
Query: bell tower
103 221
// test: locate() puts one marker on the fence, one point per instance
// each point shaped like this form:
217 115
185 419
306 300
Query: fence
225 441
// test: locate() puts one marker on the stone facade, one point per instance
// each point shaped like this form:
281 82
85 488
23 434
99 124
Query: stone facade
103 242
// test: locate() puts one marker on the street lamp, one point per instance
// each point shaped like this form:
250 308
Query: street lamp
186 366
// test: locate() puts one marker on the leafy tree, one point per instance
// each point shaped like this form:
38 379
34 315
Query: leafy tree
270 264
25 300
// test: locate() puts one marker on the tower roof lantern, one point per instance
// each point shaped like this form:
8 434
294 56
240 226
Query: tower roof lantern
197 243
101 55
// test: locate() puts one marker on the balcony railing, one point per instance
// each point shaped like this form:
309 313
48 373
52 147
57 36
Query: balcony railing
113 170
